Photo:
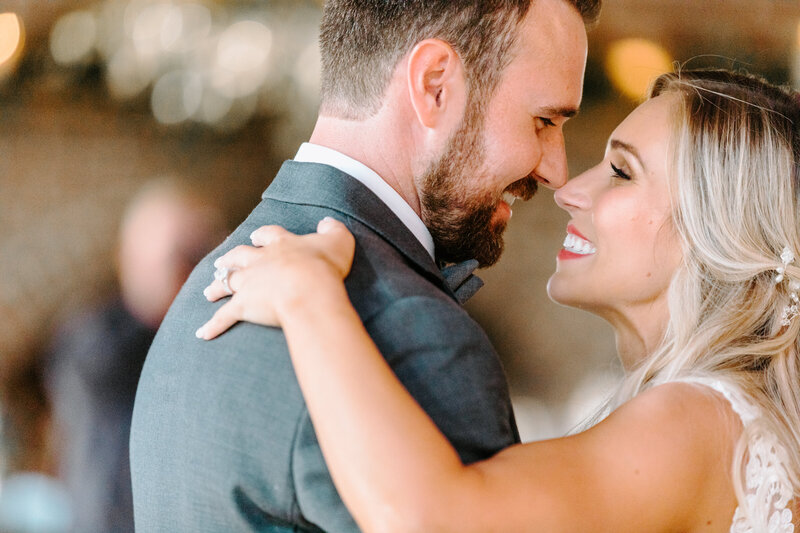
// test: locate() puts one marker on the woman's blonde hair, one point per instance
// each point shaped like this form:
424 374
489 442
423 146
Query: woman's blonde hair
735 181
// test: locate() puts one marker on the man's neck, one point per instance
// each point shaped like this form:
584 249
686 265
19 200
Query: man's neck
376 146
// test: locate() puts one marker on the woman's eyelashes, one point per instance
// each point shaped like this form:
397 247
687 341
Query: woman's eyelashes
619 173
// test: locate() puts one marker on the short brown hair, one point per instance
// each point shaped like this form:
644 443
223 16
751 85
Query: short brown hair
361 42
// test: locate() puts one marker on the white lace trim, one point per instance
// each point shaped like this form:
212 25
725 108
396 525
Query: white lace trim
768 490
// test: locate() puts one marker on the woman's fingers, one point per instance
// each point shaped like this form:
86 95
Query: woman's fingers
330 225
266 235
238 257
340 243
217 289
225 317
282 267
227 266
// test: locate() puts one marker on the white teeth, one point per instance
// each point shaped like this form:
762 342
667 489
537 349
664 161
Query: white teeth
576 245
509 198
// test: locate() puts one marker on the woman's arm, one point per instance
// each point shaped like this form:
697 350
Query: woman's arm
657 464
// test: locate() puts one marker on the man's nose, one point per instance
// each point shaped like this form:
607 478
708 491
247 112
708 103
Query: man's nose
552 170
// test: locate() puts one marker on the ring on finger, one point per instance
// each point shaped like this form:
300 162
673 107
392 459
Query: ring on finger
222 274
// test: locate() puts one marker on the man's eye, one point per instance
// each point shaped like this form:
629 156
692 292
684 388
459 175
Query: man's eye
546 122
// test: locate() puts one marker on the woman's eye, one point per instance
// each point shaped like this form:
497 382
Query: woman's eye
619 173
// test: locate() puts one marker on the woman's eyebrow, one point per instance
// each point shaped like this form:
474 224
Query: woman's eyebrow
616 144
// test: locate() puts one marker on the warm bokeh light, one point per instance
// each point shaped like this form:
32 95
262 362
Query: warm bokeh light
11 37
632 64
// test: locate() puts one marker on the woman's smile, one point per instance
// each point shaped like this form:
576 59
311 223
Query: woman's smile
576 245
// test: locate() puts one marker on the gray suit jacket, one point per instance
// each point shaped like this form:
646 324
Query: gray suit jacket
221 438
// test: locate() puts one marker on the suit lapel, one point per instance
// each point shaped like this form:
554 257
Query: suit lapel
325 186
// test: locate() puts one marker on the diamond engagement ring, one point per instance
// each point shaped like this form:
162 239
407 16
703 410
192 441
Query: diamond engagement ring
222 274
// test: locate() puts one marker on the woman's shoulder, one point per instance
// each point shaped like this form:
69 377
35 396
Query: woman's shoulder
766 482
669 449
690 403
684 419
744 407
682 426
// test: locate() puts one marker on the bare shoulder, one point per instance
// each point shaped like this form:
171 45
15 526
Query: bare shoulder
679 437
685 421
688 411
660 462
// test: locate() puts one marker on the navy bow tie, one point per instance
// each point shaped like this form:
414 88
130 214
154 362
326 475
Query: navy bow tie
461 280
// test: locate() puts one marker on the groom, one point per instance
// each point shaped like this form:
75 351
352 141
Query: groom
435 115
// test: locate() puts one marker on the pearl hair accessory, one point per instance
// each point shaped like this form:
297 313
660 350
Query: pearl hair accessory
793 309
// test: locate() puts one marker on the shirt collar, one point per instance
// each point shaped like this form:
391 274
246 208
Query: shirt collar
314 153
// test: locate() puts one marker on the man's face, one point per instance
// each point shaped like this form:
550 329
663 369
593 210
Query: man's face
507 145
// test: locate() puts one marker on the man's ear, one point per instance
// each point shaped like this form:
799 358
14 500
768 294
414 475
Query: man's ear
436 82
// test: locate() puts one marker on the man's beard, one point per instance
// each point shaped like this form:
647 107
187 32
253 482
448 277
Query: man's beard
459 218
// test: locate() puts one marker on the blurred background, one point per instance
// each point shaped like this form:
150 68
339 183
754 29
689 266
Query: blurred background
135 133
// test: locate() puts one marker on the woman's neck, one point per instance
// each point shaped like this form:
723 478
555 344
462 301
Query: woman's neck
639 332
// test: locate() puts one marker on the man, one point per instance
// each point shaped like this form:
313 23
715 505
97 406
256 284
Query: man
434 116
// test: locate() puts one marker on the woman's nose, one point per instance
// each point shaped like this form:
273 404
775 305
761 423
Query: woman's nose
574 194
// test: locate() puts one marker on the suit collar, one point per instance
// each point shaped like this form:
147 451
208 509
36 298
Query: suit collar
324 186
315 153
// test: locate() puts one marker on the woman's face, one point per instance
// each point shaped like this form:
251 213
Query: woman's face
621 250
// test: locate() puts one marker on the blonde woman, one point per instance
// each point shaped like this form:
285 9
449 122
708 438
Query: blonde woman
685 239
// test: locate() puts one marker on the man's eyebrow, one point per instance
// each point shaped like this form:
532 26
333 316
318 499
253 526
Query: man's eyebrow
616 144
566 112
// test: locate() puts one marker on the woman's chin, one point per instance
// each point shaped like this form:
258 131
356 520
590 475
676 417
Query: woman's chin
567 292
558 290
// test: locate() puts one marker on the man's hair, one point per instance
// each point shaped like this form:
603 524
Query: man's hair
361 42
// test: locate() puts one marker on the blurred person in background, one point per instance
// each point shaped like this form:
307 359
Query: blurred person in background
97 355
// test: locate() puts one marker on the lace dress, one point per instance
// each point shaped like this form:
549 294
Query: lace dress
768 490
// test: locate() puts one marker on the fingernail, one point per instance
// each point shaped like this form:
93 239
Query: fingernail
252 236
217 262
206 291
200 333
325 224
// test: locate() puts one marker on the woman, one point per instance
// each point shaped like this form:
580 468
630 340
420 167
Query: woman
683 238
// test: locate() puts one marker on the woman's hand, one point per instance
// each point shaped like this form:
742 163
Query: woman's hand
279 273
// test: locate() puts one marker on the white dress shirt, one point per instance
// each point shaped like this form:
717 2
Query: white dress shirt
314 153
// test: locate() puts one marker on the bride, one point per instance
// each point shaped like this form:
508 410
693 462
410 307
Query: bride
686 239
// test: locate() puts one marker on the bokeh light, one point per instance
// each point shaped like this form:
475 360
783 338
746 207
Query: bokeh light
195 60
308 72
12 39
242 58
176 97
632 64
128 74
74 37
